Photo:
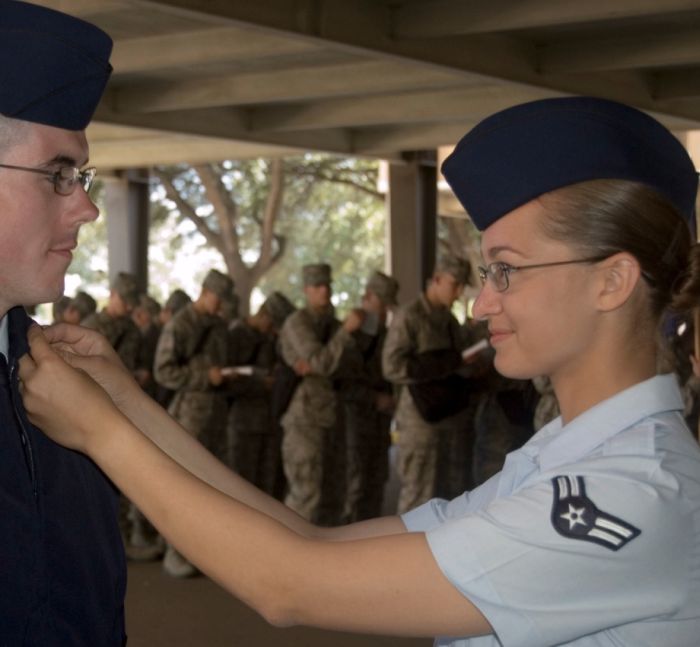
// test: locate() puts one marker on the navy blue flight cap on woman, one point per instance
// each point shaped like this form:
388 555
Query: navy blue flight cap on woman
518 154
54 66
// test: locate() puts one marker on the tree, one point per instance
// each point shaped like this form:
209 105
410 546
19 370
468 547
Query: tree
323 207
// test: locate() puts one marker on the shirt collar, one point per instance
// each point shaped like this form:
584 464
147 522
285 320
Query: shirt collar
4 338
559 445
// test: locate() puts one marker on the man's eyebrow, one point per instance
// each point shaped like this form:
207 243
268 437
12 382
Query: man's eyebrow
63 160
498 249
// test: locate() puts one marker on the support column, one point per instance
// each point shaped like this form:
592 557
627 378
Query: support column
412 222
127 217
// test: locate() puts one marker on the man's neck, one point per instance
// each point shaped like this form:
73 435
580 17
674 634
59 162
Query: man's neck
433 299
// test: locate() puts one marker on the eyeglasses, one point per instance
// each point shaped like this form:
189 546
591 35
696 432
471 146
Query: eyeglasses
65 180
499 273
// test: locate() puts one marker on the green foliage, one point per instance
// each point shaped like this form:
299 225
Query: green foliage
335 223
331 212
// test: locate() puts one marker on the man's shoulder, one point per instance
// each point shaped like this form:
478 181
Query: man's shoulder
185 319
413 310
296 321
240 332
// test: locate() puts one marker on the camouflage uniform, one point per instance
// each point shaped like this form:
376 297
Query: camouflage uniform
81 306
503 423
122 334
255 434
176 302
312 446
149 343
547 408
417 328
59 307
189 345
121 331
366 426
255 445
125 337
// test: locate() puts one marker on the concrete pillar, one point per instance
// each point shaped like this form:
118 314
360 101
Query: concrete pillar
126 201
412 221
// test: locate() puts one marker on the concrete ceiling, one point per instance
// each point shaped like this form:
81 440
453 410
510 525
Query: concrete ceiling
198 80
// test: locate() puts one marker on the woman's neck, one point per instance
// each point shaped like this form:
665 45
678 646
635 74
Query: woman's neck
600 375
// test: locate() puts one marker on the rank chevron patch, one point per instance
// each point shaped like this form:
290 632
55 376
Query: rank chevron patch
575 516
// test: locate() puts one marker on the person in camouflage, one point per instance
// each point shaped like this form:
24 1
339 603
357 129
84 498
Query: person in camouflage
368 404
255 440
81 306
145 316
145 544
312 342
189 357
114 321
177 300
422 327
58 309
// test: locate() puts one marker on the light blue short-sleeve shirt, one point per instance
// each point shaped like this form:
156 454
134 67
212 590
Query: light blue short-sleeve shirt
590 536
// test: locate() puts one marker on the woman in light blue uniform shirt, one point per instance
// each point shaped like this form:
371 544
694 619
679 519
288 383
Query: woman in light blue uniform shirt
590 534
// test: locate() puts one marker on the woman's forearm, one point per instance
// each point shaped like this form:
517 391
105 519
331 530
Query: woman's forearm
228 540
370 585
173 439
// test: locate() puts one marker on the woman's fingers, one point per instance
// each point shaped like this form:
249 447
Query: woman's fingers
39 347
77 339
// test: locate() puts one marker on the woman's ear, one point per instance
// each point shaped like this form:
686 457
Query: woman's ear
619 274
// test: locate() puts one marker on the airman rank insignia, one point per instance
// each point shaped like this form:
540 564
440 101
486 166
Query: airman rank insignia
575 516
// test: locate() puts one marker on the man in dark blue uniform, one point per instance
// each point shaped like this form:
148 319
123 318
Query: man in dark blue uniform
62 568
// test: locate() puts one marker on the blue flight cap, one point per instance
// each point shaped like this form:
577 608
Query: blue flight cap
520 153
54 67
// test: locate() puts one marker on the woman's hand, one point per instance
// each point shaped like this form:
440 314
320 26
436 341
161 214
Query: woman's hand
90 352
63 401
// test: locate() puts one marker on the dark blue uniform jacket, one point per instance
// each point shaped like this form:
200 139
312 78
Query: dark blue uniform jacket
62 566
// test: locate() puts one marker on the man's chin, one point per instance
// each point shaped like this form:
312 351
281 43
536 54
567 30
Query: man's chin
49 295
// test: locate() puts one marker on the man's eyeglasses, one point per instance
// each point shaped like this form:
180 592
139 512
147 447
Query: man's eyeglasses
498 273
65 179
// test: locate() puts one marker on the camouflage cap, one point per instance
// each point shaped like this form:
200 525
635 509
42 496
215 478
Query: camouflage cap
84 304
149 304
317 274
384 286
458 267
125 286
177 301
279 307
59 307
220 284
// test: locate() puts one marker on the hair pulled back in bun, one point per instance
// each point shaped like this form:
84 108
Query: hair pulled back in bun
605 217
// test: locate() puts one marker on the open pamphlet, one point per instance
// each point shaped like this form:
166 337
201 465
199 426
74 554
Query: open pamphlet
230 371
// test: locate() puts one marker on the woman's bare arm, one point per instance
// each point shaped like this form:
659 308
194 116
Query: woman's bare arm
90 352
386 584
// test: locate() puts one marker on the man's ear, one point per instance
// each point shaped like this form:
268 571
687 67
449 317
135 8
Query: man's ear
619 275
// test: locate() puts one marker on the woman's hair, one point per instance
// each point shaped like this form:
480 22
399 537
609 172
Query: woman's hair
604 217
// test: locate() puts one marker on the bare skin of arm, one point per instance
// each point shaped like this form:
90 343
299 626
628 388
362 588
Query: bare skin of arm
372 577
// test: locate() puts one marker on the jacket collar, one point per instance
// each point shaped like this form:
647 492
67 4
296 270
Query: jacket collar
557 445
18 323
